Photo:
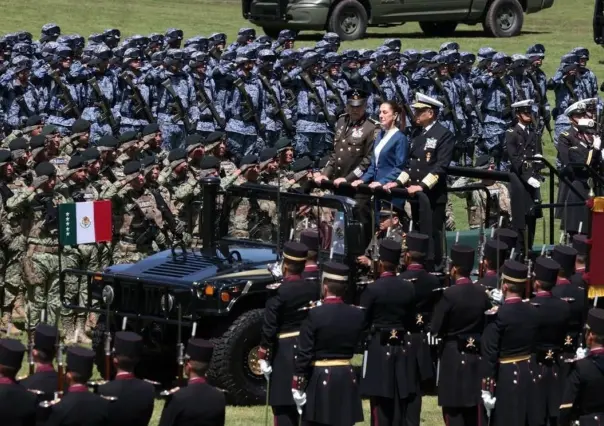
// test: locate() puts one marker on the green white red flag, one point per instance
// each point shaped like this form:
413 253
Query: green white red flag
83 223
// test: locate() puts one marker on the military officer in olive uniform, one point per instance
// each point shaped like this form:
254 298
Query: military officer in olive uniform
582 399
459 321
429 155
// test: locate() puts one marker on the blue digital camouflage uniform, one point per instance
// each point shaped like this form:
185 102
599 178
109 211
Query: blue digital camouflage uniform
21 101
536 54
99 126
131 119
202 81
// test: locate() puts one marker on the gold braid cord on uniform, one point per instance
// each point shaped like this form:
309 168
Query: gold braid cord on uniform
403 178
430 180
589 156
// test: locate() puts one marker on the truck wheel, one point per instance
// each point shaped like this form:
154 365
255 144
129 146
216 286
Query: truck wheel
271 32
504 18
234 366
438 29
348 20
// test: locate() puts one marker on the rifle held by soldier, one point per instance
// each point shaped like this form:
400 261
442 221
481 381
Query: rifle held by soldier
272 98
181 113
103 103
250 111
317 99
71 108
141 108
206 103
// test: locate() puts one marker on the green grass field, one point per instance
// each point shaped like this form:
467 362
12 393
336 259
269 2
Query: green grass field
566 25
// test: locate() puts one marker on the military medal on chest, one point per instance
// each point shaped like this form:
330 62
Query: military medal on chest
357 132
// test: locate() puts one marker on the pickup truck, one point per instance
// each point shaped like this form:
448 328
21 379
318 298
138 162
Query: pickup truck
351 18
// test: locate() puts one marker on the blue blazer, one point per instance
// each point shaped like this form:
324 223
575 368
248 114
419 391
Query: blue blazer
393 157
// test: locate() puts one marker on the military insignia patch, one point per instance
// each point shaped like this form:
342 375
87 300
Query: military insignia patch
430 143
357 132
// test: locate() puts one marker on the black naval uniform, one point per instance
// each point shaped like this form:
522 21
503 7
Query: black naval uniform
389 376
507 344
328 339
566 140
494 251
583 392
45 379
521 144
458 321
283 315
17 405
429 155
548 362
135 399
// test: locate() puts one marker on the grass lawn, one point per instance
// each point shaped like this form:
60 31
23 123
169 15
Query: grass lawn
566 25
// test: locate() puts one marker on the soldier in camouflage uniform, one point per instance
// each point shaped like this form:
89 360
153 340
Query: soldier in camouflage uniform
38 206
138 221
152 141
33 127
110 171
77 142
216 145
285 149
476 201
129 148
21 156
389 228
196 152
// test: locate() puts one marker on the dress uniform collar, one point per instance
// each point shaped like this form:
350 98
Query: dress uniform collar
292 278
386 274
596 351
77 388
311 268
44 368
6 381
415 267
195 380
332 300
578 270
124 376
511 300
562 281
463 280
543 294
428 127
490 273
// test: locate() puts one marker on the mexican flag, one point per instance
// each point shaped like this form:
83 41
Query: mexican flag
83 223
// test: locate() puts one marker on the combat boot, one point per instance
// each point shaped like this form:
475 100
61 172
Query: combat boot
7 326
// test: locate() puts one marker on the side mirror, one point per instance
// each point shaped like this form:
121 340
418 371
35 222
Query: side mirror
356 239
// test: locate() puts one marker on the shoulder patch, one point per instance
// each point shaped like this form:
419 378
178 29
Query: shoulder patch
511 130
565 133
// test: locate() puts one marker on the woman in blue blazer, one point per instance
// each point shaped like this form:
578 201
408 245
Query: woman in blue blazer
390 149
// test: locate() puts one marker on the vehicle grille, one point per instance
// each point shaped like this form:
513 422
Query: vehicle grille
179 267
136 298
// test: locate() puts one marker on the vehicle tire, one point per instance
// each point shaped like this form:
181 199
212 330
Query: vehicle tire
504 18
272 32
438 29
234 366
349 20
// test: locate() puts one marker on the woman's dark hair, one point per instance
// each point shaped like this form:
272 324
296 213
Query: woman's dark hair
397 109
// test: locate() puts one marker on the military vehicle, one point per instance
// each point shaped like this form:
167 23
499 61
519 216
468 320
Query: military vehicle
351 18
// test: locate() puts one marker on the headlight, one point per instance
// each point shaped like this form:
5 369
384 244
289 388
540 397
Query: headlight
108 295
275 270
167 303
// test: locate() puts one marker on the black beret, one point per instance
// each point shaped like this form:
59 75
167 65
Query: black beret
108 141
177 154
5 156
209 162
214 137
248 160
80 360
45 338
151 128
283 144
76 162
335 271
310 238
303 163
496 250
45 169
390 251
515 271
268 154
194 139
128 343
508 236
11 353
566 257
595 321
462 256
91 154
34 120
296 252
19 143
580 244
483 161
37 141
132 167
128 136
546 269
49 129
417 242
80 126
200 350
149 160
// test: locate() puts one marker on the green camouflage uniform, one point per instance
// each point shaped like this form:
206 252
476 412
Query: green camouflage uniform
499 203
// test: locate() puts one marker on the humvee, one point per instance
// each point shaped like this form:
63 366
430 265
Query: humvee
351 18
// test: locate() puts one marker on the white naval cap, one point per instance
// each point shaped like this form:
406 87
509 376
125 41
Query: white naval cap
422 101
576 108
527 103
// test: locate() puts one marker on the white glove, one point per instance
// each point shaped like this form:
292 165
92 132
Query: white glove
581 353
538 156
597 142
488 400
534 183
265 368
299 399
496 296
